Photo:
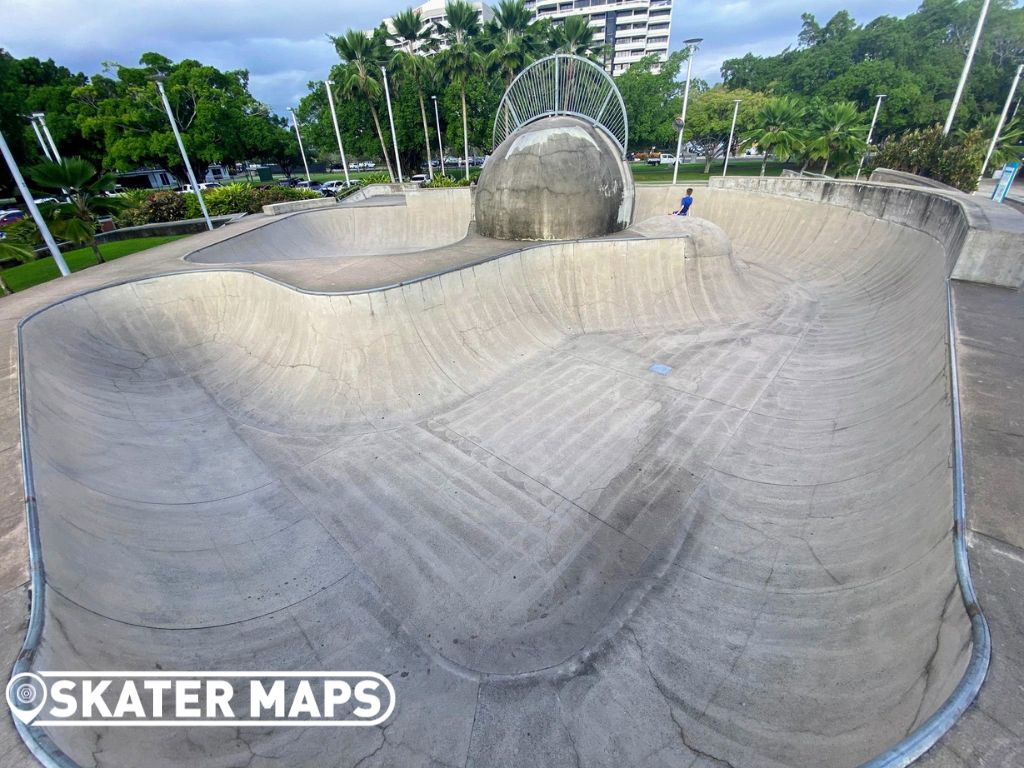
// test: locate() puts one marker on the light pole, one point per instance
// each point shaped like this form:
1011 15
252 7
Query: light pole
967 69
732 132
33 209
871 133
1002 121
302 151
391 119
337 131
691 46
181 148
440 144
39 137
41 117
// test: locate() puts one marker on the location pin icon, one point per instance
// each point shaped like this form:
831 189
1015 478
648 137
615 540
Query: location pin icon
26 696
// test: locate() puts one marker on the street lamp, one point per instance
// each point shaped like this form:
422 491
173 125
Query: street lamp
41 117
39 136
440 143
871 132
159 79
33 209
337 131
1002 121
691 46
732 132
302 151
967 69
391 119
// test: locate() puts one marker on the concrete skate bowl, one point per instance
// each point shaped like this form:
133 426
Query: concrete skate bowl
478 485
415 221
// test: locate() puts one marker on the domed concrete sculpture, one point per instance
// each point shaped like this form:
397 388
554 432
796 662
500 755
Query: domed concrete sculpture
559 178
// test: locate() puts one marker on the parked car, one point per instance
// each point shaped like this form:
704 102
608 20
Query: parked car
314 185
418 177
329 188
10 216
662 159
290 182
203 186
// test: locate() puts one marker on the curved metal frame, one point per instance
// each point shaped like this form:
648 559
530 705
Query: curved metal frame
546 88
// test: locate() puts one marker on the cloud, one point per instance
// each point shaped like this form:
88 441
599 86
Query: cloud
285 45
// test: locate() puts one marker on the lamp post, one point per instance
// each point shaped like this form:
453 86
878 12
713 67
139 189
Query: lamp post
967 69
30 203
1002 121
691 46
732 132
871 132
39 137
440 143
391 120
41 117
181 148
337 131
302 151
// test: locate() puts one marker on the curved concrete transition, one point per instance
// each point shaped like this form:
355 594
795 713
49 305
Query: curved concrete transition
647 501
416 221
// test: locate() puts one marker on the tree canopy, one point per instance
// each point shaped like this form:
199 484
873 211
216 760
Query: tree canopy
916 61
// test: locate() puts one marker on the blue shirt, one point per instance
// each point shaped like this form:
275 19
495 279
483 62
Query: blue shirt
686 203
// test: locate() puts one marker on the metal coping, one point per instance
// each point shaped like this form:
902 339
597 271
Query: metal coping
900 755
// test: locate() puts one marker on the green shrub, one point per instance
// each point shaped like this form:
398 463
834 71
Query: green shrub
926 152
24 232
164 206
446 182
192 209
379 177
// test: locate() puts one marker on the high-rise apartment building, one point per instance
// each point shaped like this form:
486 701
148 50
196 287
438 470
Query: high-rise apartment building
630 29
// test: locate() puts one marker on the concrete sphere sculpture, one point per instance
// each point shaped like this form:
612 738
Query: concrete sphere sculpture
558 178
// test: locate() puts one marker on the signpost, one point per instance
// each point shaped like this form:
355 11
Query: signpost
1005 181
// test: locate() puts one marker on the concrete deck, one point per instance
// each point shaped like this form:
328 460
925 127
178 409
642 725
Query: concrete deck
475 484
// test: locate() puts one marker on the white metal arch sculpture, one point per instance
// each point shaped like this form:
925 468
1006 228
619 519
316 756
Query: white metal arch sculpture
563 85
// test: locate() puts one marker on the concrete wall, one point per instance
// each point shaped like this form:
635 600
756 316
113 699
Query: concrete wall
981 241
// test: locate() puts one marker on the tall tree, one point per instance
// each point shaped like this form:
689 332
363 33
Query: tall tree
839 134
575 36
461 58
778 129
510 39
415 37
709 119
361 56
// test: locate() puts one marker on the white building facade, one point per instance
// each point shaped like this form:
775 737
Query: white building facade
630 29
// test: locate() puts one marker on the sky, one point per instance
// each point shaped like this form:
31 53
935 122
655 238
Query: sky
284 45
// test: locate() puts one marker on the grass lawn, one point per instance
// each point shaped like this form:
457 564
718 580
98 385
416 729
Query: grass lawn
695 171
39 271
641 171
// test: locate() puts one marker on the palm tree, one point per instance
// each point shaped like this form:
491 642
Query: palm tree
510 39
778 129
12 251
839 134
461 58
85 190
575 36
414 36
361 57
